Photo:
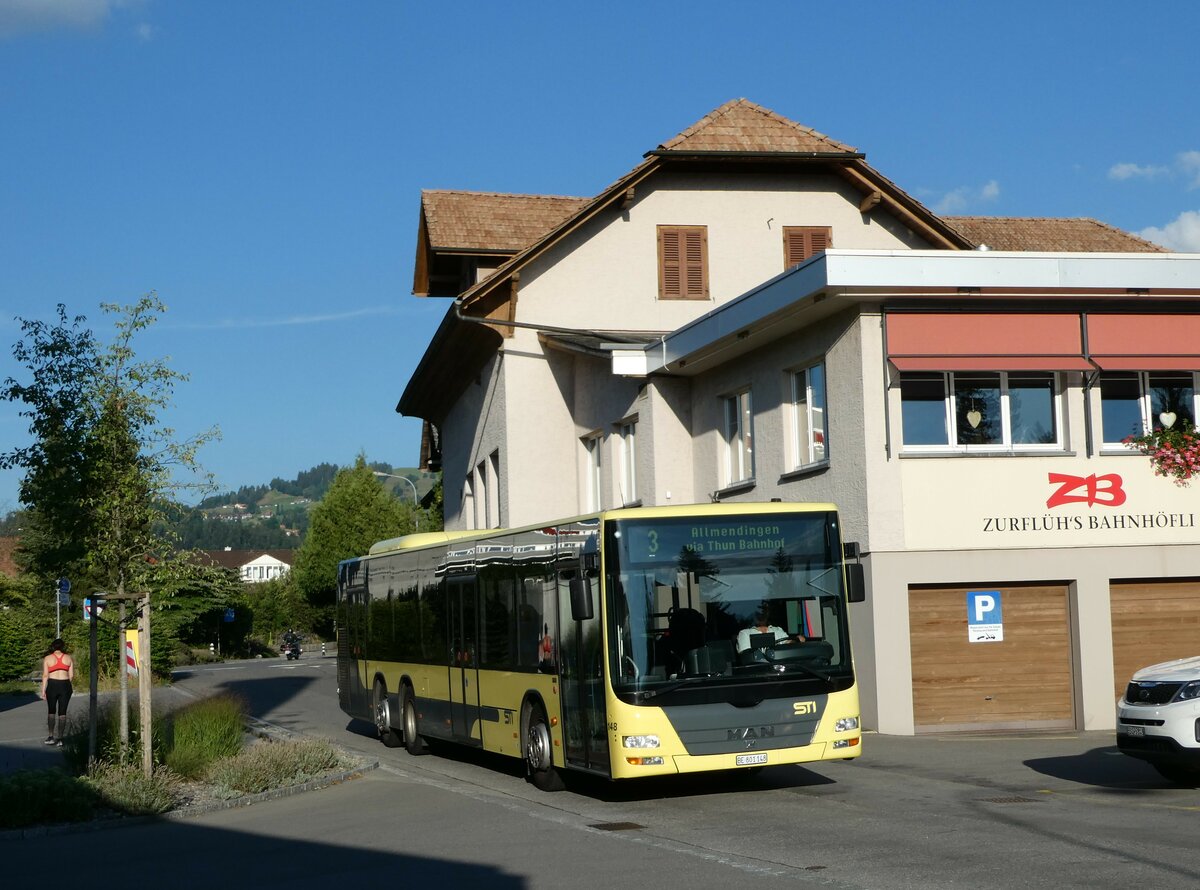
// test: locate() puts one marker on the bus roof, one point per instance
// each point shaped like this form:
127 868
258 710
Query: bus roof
426 539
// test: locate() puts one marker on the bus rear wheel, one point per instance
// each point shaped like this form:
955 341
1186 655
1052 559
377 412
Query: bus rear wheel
539 761
413 743
383 716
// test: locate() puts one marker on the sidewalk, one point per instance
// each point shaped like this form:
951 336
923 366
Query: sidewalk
23 725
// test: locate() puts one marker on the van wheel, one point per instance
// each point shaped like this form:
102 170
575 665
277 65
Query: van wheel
539 760
383 716
413 743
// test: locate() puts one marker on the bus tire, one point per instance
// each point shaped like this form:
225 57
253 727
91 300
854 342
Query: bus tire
383 716
538 749
413 743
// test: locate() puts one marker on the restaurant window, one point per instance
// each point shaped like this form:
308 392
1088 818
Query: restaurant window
739 438
809 441
1135 402
980 410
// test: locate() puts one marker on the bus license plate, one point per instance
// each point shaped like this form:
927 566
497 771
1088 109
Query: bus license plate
750 759
1134 730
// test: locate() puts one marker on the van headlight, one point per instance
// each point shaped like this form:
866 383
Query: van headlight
1189 691
639 741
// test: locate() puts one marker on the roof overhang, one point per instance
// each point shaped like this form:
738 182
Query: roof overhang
831 281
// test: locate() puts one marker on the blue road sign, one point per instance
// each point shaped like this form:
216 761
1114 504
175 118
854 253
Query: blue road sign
228 615
985 620
64 586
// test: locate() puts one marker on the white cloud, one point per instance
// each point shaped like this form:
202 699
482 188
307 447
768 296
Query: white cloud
20 16
1189 164
966 197
1181 234
145 32
290 321
1134 171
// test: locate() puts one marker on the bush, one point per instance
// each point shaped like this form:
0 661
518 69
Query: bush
108 738
126 789
203 733
30 797
270 765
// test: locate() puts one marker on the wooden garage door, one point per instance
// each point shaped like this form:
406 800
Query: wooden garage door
1021 682
1152 621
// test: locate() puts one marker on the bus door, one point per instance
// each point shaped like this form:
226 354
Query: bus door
463 638
581 672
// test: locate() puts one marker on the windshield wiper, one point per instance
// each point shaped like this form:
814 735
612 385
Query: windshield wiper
669 687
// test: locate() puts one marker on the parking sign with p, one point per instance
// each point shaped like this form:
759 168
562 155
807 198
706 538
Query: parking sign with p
985 621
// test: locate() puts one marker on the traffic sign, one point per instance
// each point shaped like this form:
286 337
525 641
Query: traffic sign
985 620
64 599
64 586
89 608
228 615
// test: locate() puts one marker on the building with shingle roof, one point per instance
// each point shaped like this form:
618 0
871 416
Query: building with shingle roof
752 312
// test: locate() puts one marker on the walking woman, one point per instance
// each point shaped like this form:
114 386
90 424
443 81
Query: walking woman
58 670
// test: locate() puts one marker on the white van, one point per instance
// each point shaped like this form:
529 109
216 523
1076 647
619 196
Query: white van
1158 719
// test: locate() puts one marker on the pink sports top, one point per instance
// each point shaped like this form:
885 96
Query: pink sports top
59 665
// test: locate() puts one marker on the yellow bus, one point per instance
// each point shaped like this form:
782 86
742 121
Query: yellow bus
628 643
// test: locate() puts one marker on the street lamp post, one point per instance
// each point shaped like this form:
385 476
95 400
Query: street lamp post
416 497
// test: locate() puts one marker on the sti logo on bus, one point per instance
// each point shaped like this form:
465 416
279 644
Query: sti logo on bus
800 708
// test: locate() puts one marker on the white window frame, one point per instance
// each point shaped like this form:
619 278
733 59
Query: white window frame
810 431
593 446
1145 404
738 410
1005 445
629 489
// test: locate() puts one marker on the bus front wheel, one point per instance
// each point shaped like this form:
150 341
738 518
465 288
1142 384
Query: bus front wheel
413 743
539 762
383 716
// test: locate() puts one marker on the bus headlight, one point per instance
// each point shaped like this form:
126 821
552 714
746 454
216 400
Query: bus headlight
639 741
845 724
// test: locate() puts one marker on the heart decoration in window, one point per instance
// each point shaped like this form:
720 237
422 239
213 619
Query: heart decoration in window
1168 419
973 418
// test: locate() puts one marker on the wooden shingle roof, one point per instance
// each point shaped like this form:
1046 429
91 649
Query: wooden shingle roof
487 221
1079 235
742 126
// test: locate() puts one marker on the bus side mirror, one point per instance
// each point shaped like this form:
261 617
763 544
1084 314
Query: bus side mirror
581 599
856 583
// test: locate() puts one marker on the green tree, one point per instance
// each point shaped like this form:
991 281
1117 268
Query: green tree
62 361
354 514
102 470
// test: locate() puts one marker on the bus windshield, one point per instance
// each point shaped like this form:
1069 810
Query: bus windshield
729 601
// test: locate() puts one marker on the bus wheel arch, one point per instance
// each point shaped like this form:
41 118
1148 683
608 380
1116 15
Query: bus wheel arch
381 707
537 746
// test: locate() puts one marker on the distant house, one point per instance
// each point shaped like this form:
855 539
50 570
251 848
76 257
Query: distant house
254 566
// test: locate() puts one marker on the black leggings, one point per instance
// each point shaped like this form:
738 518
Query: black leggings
58 694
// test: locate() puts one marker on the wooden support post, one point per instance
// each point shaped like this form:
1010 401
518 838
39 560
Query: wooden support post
144 685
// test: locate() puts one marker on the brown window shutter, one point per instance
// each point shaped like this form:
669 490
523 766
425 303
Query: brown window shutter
801 242
682 263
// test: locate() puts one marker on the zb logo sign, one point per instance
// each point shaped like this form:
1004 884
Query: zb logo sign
1104 490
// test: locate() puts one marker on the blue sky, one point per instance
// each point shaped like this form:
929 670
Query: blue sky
259 164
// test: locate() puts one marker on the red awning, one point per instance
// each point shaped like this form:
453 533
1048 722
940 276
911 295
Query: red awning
986 341
1128 342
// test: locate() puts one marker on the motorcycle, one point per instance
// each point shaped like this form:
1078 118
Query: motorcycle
290 650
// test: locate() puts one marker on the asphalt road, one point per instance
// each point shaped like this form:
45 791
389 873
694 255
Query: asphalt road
1001 812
